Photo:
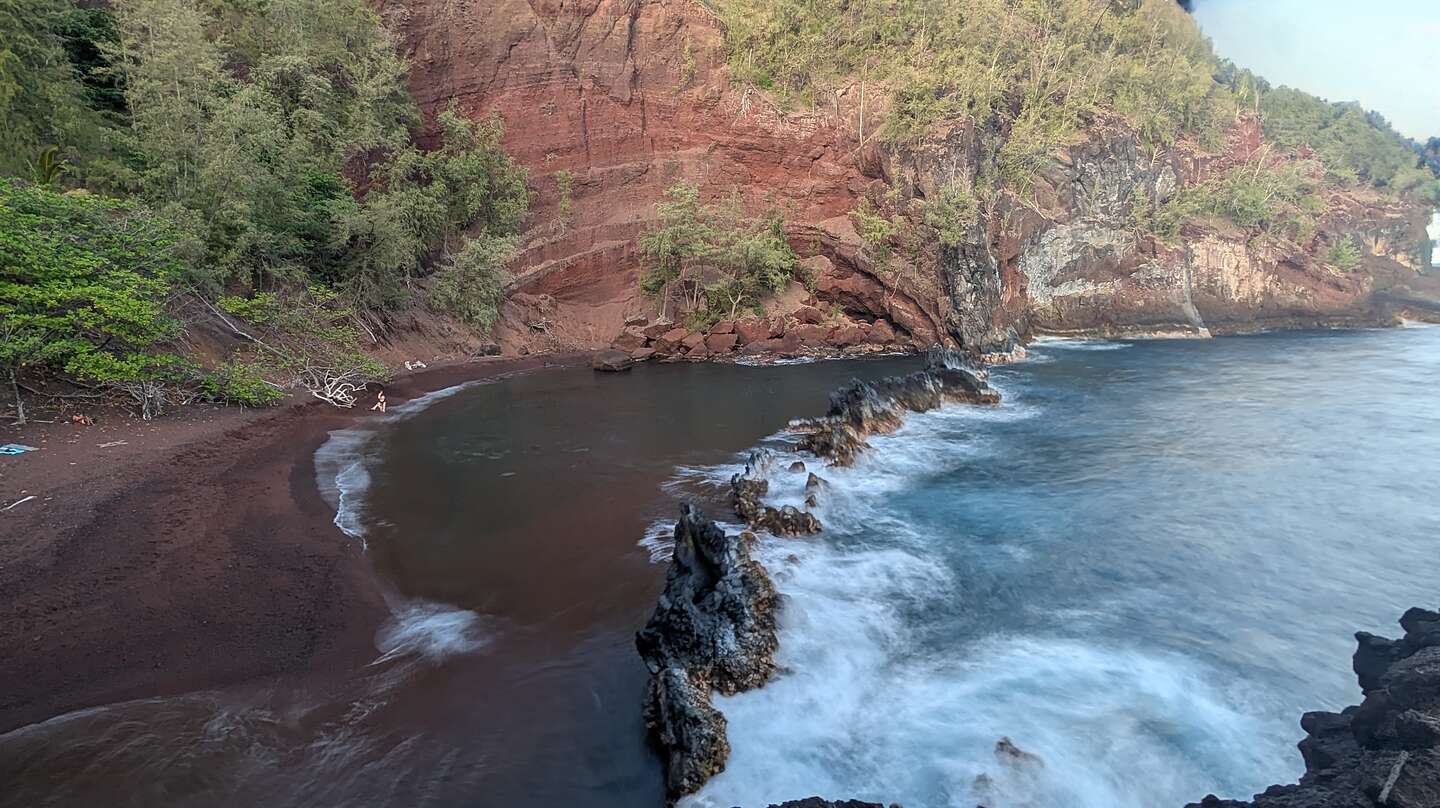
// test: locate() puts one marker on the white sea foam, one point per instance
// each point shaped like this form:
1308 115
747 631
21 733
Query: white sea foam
417 628
1079 343
431 631
887 694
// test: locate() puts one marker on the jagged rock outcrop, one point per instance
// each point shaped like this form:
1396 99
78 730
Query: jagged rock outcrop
1384 752
862 408
747 496
713 629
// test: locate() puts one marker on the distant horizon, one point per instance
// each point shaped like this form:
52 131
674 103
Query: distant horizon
1383 56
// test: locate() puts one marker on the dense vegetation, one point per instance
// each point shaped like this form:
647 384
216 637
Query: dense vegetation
273 140
712 257
1034 73
1038 68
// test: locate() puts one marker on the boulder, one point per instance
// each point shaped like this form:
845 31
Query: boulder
810 336
692 341
809 314
656 330
881 333
752 329
611 361
721 343
764 346
642 354
843 336
724 327
637 320
629 340
698 352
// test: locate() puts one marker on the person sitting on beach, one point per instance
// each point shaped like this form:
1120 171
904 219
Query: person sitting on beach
379 402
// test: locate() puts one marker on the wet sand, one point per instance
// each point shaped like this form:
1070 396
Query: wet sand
196 555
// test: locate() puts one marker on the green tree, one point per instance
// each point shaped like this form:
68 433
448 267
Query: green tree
714 253
83 285
675 245
42 102
1344 255
470 284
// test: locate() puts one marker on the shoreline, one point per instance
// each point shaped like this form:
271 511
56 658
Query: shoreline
201 555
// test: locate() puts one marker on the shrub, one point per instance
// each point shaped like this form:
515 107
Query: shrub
951 213
1344 255
470 285
83 285
714 254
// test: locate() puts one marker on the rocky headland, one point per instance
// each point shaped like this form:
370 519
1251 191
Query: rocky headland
1383 752
608 103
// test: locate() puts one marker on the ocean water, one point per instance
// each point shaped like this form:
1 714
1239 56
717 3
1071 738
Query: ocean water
1140 569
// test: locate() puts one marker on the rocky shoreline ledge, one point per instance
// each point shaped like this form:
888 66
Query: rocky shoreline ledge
1383 752
714 626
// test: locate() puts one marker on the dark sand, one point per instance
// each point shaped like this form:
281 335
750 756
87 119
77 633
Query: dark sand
198 554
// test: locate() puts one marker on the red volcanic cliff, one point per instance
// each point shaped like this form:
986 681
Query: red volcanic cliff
625 97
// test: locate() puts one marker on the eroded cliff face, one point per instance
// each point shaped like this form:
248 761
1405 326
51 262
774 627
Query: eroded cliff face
619 99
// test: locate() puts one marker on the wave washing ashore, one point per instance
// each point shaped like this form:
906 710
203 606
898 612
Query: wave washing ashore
1121 587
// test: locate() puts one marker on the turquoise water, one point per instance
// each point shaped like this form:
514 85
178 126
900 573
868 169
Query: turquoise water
1142 568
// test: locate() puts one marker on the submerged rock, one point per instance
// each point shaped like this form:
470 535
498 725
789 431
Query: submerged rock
860 409
1384 752
713 629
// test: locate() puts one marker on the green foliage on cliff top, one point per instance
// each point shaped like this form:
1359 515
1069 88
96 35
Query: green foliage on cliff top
1280 197
1039 66
1039 71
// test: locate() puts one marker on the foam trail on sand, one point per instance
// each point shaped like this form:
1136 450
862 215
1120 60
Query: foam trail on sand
416 628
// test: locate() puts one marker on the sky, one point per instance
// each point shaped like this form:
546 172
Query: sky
1383 53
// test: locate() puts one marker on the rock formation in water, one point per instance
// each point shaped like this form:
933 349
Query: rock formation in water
608 102
1384 752
820 802
861 408
747 496
713 629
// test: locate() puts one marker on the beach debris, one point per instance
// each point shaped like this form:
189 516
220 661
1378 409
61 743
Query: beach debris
16 448
17 502
112 443
415 365
82 420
